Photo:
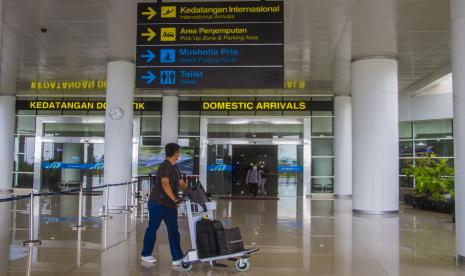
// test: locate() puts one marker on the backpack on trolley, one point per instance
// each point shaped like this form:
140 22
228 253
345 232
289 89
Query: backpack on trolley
197 194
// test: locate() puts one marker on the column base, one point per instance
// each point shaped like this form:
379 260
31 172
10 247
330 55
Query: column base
6 191
461 259
343 196
363 213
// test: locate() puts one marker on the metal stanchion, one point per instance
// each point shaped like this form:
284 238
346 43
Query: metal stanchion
29 261
80 225
126 209
133 195
31 241
79 248
107 198
143 200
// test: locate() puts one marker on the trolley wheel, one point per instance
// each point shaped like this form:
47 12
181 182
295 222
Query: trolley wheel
242 265
186 266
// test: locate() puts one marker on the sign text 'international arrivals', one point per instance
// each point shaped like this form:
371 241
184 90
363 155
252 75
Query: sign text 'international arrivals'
191 12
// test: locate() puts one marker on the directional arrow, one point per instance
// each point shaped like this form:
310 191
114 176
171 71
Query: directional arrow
149 55
150 12
150 77
150 34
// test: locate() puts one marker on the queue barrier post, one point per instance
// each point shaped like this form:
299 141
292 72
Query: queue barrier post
31 241
133 195
126 209
105 214
80 225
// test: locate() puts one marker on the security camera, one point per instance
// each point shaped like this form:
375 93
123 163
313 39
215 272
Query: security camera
43 30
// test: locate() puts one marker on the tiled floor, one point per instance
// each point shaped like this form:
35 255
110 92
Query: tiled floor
295 237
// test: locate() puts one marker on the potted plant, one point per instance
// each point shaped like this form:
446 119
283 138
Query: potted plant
434 185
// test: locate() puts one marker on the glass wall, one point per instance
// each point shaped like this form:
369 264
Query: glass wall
23 174
323 148
420 138
320 112
150 130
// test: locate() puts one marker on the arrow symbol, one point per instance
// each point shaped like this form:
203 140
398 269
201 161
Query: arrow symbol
149 55
150 12
150 34
150 77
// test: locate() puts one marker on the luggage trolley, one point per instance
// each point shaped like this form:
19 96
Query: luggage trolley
241 258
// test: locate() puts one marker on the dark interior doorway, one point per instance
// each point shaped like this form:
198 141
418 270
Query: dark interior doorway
242 158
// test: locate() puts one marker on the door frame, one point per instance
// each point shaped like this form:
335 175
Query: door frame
74 119
305 141
40 139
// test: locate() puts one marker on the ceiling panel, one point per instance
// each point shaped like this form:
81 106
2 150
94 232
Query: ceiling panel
84 34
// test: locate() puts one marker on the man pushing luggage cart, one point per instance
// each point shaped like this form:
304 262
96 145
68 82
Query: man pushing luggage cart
209 241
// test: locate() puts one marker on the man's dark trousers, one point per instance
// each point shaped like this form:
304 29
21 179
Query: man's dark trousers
157 213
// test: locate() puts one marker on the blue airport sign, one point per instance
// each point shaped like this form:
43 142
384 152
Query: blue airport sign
75 166
209 77
290 169
213 55
219 168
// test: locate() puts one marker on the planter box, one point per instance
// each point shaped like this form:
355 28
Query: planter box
427 204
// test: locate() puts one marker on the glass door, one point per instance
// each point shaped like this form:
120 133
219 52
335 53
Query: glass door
66 165
219 169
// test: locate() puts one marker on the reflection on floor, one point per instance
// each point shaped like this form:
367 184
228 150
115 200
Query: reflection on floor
295 237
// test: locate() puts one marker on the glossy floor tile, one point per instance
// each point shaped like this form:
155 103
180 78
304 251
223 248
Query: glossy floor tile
295 237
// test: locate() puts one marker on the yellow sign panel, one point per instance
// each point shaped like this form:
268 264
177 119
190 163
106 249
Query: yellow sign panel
71 105
255 106
68 85
168 12
168 34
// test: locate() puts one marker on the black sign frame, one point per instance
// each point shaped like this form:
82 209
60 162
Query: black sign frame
254 27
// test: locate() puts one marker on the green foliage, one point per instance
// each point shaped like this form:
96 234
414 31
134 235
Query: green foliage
433 177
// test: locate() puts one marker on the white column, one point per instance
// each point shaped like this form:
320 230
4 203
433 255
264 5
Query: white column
169 121
118 128
9 67
458 70
7 141
343 146
375 136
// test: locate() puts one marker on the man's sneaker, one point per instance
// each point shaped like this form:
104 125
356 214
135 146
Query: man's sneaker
148 259
177 263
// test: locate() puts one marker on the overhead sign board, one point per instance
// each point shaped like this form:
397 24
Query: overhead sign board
209 77
255 106
197 12
213 55
80 105
242 33
219 45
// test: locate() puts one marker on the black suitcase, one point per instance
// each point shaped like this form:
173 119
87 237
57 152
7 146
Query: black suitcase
206 238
